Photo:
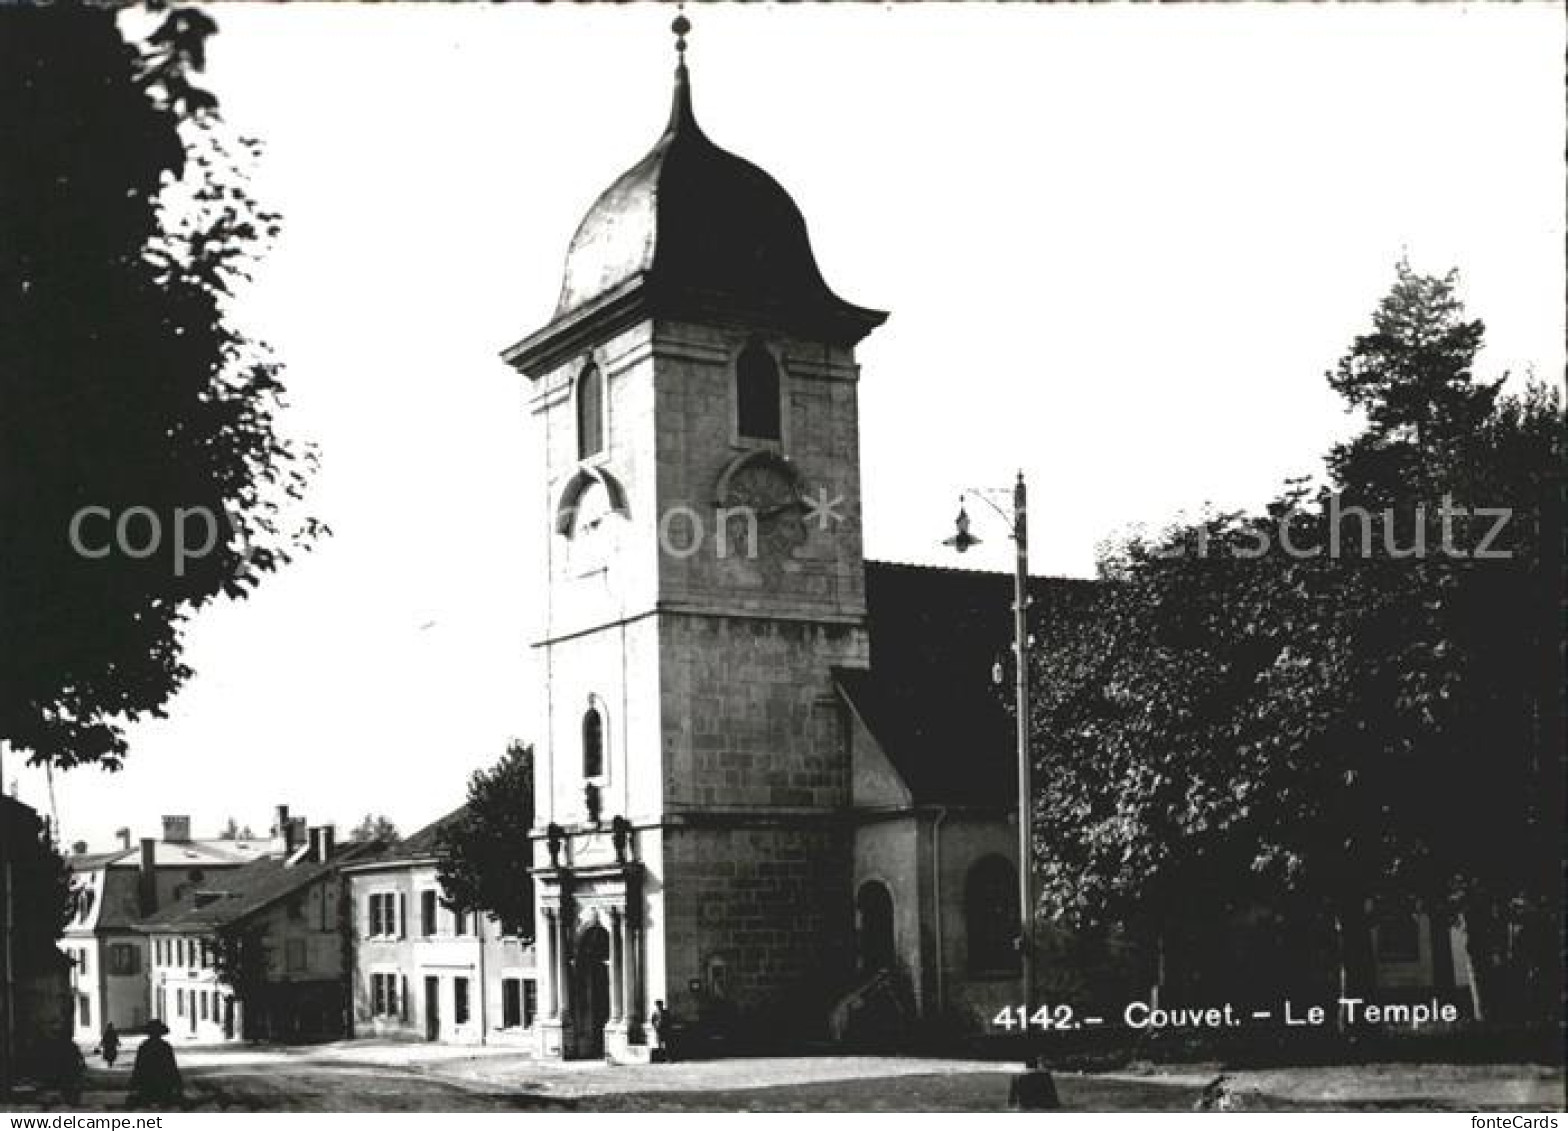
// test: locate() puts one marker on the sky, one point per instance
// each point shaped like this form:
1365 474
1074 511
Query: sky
1120 246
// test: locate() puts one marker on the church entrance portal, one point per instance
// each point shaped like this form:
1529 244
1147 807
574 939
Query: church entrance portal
591 991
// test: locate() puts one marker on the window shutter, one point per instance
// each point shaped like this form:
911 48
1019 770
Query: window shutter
403 999
402 915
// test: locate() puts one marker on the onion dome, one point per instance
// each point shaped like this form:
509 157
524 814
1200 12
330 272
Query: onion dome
692 231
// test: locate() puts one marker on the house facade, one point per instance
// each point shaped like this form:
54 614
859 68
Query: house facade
259 953
423 971
116 889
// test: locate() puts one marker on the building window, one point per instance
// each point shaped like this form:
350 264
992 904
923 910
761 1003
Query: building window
991 916
384 918
427 913
519 1002
459 922
124 959
84 1011
179 1003
757 408
384 995
593 744
1398 938
460 1001
590 413
511 1003
294 955
203 1010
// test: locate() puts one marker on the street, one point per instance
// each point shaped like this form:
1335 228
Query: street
389 1076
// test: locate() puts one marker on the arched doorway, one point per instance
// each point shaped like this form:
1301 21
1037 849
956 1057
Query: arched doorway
874 910
591 991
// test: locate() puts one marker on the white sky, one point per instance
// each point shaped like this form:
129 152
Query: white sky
1120 246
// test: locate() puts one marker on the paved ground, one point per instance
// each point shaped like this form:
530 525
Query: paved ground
386 1076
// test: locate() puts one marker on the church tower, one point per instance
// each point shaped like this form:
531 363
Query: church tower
694 413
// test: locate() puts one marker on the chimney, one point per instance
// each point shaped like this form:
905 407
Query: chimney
176 830
147 878
288 833
125 837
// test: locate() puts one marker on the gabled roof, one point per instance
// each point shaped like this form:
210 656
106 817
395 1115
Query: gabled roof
178 854
92 861
419 847
229 898
928 698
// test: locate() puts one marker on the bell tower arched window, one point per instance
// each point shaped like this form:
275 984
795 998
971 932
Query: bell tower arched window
590 412
593 744
758 414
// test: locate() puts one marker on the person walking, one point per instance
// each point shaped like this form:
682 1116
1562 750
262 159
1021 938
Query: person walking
109 1044
155 1077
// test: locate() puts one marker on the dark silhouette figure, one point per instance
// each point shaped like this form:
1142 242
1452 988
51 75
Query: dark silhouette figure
155 1077
659 1022
1034 1089
109 1044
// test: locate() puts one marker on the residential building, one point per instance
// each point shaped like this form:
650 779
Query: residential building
260 952
423 971
118 888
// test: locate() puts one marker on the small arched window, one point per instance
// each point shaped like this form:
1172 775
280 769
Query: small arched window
991 916
757 408
593 744
590 412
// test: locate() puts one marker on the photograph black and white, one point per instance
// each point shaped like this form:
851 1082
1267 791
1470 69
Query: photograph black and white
717 556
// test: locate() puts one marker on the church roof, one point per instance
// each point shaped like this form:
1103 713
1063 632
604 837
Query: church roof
694 231
928 697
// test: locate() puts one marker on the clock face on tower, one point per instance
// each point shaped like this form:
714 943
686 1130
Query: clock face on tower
768 497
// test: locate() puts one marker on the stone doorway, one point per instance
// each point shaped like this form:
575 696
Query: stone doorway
591 991
874 907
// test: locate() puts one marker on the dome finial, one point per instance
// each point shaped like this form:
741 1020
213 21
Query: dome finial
681 27
681 115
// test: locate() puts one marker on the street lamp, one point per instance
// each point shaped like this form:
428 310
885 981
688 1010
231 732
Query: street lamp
1017 521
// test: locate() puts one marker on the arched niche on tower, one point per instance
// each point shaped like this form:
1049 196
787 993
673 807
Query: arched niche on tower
577 497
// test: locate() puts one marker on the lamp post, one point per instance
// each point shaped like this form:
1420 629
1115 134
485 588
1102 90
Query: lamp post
1018 525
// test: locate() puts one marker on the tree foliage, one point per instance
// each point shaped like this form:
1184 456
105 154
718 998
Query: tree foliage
232 830
126 225
374 826
1320 704
485 855
241 958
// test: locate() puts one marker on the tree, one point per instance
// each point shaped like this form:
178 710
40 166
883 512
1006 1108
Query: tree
44 886
377 826
142 472
485 855
242 958
1315 706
